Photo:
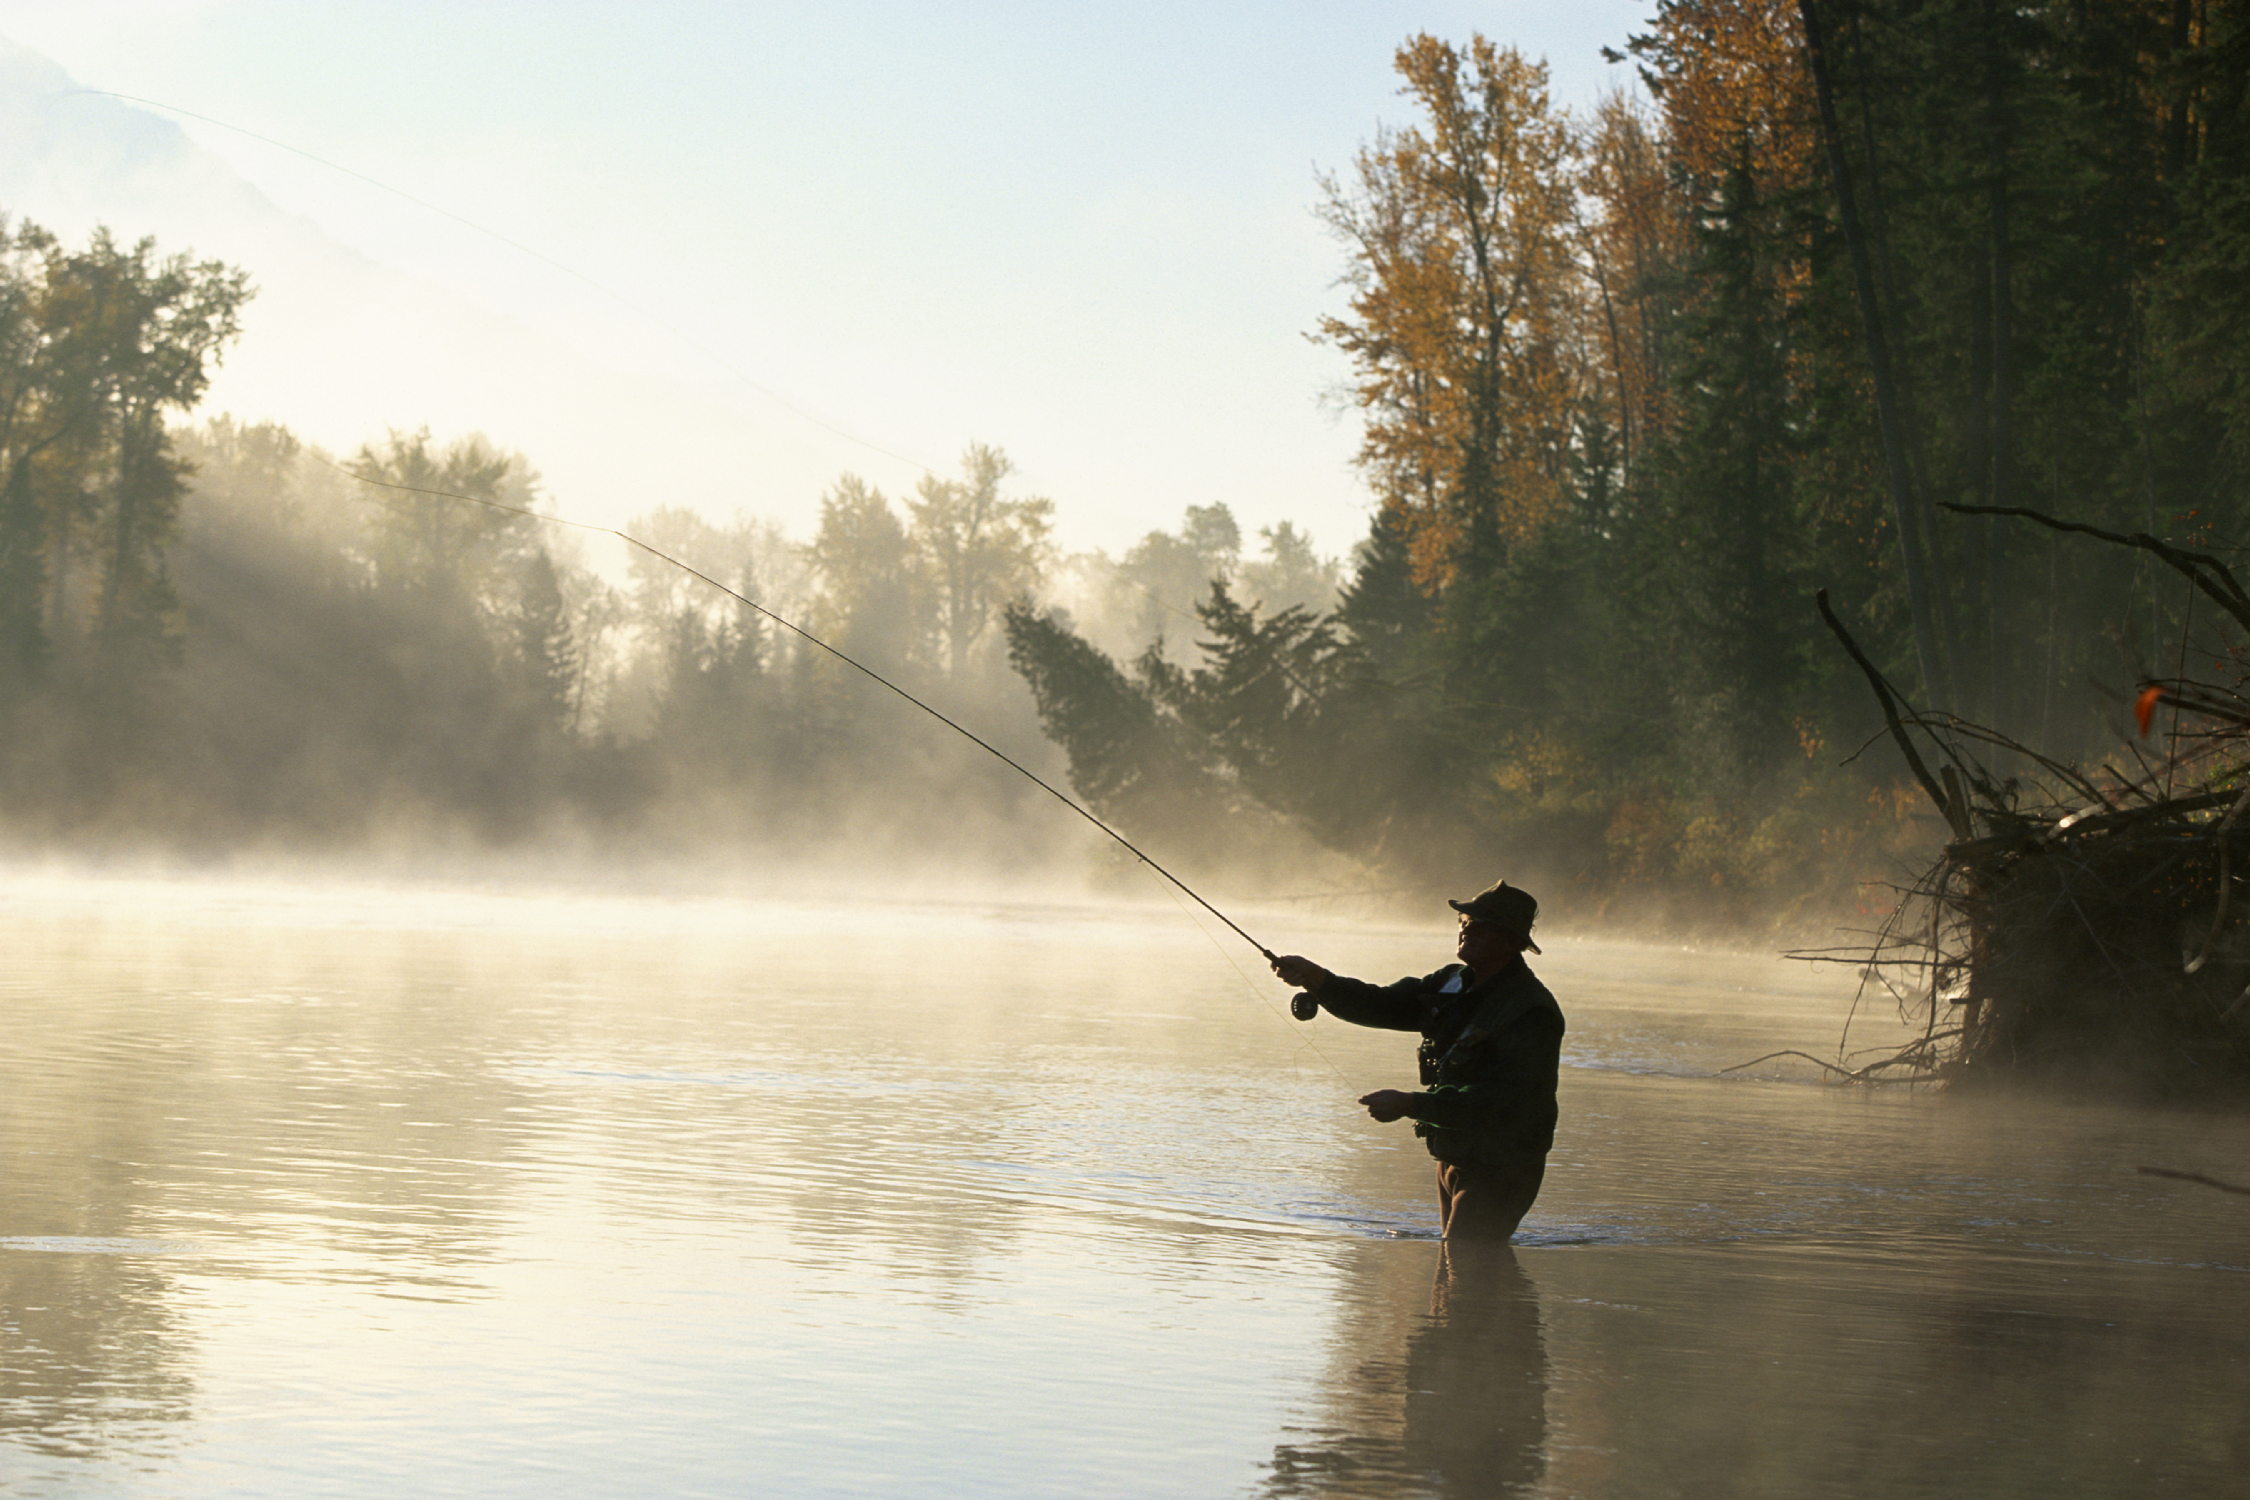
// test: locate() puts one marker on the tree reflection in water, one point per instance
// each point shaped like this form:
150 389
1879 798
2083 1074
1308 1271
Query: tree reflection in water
1463 1412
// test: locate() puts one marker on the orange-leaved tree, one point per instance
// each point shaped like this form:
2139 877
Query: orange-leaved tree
1465 310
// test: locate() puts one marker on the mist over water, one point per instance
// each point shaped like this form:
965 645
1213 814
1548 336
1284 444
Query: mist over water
345 1190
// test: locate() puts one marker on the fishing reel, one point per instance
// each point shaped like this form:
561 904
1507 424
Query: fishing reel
1303 1006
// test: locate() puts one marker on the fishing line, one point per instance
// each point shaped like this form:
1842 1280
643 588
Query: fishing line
520 248
1304 1037
805 635
654 319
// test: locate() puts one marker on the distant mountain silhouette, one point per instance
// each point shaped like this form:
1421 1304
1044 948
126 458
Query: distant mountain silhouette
82 157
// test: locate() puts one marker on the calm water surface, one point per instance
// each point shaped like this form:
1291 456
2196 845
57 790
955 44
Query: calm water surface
365 1192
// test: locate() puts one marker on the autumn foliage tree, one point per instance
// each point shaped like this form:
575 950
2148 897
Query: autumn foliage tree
1461 331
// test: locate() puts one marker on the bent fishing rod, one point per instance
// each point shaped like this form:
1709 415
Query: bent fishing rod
861 667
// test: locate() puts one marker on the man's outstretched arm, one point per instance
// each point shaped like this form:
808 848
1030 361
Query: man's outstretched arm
1393 1007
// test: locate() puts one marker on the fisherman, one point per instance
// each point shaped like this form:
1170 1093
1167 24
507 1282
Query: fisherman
1491 1049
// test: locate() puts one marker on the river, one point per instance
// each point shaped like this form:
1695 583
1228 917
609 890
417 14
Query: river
364 1190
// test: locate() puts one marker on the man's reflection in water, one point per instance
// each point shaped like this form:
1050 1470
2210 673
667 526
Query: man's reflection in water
1474 1389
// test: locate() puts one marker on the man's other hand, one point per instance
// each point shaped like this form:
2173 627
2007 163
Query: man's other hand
1387 1105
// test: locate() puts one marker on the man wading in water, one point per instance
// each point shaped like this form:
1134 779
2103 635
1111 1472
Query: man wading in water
1491 1047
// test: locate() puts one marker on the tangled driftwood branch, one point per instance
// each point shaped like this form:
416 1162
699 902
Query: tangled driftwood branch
2078 925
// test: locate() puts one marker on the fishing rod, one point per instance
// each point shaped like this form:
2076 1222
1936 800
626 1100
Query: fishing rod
861 667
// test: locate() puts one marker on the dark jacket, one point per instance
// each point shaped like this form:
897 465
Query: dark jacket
1490 1055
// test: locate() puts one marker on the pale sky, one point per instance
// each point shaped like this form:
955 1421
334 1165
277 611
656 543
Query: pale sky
1081 233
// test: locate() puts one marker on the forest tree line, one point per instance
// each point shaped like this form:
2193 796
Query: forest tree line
1634 383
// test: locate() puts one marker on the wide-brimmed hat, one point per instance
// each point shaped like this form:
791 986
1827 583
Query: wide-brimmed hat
1503 906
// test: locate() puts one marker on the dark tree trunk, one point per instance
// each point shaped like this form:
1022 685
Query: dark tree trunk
1927 649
